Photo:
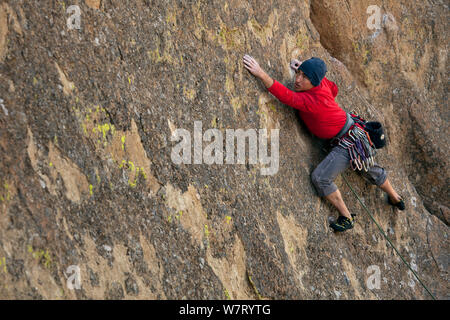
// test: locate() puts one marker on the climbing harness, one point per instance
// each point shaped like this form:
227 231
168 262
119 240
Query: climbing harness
358 144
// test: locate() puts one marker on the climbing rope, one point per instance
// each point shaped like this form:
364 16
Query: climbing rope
387 239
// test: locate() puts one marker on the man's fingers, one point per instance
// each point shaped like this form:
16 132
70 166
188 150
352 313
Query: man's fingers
248 63
251 64
295 64
249 59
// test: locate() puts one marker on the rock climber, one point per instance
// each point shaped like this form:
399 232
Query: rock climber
314 98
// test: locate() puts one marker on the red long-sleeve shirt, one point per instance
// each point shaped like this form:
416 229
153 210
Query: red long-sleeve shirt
317 107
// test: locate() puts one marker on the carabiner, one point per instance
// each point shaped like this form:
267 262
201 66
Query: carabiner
365 165
359 164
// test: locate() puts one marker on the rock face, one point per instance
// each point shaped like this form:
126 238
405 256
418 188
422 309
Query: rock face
90 101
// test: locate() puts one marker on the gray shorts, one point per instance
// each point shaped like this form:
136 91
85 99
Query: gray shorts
334 163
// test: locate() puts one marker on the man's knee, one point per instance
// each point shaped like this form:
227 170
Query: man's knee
316 178
376 175
323 185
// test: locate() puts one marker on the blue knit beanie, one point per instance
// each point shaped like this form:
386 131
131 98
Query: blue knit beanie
314 69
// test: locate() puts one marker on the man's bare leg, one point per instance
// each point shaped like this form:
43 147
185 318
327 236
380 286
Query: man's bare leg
386 187
336 200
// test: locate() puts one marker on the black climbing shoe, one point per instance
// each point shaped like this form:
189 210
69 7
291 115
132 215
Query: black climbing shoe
400 205
343 223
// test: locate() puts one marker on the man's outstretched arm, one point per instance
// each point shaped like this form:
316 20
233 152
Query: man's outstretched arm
253 66
282 93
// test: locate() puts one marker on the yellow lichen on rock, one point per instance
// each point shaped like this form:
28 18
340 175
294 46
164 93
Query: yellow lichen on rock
189 93
168 54
265 33
268 116
127 150
231 38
